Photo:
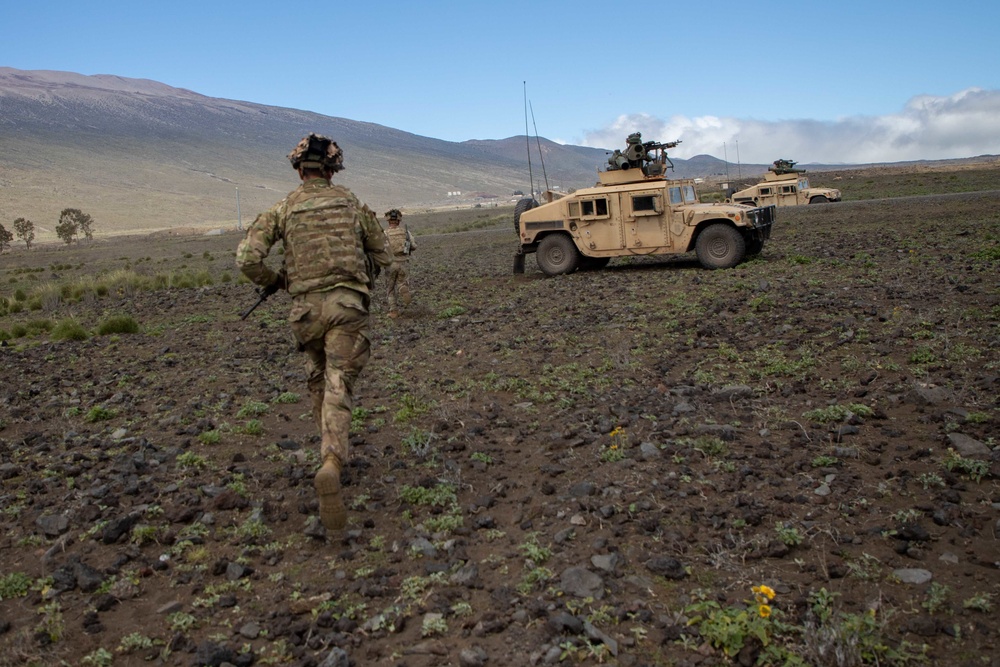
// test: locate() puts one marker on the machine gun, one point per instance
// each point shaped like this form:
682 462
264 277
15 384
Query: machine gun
785 167
650 156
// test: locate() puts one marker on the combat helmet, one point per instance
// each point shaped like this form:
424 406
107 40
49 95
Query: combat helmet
317 152
393 215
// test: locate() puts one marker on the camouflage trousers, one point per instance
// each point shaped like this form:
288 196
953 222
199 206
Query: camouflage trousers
332 329
398 284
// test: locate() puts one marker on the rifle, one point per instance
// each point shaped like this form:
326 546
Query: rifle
263 293
407 243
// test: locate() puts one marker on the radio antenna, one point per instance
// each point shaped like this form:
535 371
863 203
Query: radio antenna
539 143
527 142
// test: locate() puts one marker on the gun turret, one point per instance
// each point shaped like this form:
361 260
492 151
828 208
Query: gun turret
781 166
650 156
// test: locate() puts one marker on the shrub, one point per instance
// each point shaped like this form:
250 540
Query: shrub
118 324
69 329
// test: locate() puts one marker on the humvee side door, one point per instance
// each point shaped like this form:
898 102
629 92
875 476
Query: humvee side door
645 217
598 222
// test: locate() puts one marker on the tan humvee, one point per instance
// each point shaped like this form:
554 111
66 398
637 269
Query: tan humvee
783 185
635 210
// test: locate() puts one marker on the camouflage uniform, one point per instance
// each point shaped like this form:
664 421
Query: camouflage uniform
397 239
326 233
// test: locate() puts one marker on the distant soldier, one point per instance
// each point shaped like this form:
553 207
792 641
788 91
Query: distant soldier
332 245
401 245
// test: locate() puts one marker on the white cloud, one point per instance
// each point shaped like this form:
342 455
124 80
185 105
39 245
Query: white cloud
961 125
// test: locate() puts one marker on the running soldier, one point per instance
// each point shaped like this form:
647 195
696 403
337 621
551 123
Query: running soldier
333 248
401 245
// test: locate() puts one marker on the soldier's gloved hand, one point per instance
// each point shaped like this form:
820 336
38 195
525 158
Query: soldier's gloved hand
281 282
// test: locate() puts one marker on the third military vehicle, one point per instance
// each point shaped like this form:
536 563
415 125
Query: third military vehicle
635 210
784 185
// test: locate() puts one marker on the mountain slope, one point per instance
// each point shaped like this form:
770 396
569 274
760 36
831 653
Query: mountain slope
141 155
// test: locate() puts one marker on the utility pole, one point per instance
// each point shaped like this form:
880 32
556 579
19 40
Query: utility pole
725 154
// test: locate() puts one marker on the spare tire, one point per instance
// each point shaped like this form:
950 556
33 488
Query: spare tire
520 207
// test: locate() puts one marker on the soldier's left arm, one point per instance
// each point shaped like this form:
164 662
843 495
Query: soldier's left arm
373 237
250 254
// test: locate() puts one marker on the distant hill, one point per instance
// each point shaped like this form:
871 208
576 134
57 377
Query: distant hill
140 155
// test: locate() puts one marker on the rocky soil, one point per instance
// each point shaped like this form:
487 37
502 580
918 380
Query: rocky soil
597 468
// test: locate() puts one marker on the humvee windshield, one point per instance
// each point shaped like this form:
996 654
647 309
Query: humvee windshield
803 183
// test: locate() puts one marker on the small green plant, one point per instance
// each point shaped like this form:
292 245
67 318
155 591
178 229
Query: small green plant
444 523
615 451
451 311
192 461
974 468
533 550
212 437
181 621
99 413
729 629
433 625
253 427
69 329
481 457
134 642
867 568
288 397
930 479
789 535
937 597
14 585
825 461
118 324
252 409
100 657
982 602
51 624
440 495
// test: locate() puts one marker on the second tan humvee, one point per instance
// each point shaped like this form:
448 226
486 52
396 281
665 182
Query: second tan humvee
783 185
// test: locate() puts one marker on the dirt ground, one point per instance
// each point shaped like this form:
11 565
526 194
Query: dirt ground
594 468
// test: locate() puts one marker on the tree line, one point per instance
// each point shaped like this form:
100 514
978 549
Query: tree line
72 223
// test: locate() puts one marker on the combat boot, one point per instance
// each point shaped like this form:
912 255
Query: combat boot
332 511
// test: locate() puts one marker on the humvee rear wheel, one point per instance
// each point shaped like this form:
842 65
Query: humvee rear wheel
819 199
720 246
556 254
520 207
593 263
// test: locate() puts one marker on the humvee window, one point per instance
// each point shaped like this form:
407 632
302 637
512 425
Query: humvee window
803 183
788 189
765 191
645 205
594 208
689 193
675 196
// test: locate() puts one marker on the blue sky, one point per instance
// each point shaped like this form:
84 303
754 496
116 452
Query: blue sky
849 81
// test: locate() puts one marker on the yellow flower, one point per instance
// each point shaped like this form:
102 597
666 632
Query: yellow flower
766 591
618 431
764 610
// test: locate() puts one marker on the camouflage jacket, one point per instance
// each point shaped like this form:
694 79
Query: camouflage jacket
398 238
326 233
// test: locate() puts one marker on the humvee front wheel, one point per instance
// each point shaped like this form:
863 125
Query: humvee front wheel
720 246
819 199
557 254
